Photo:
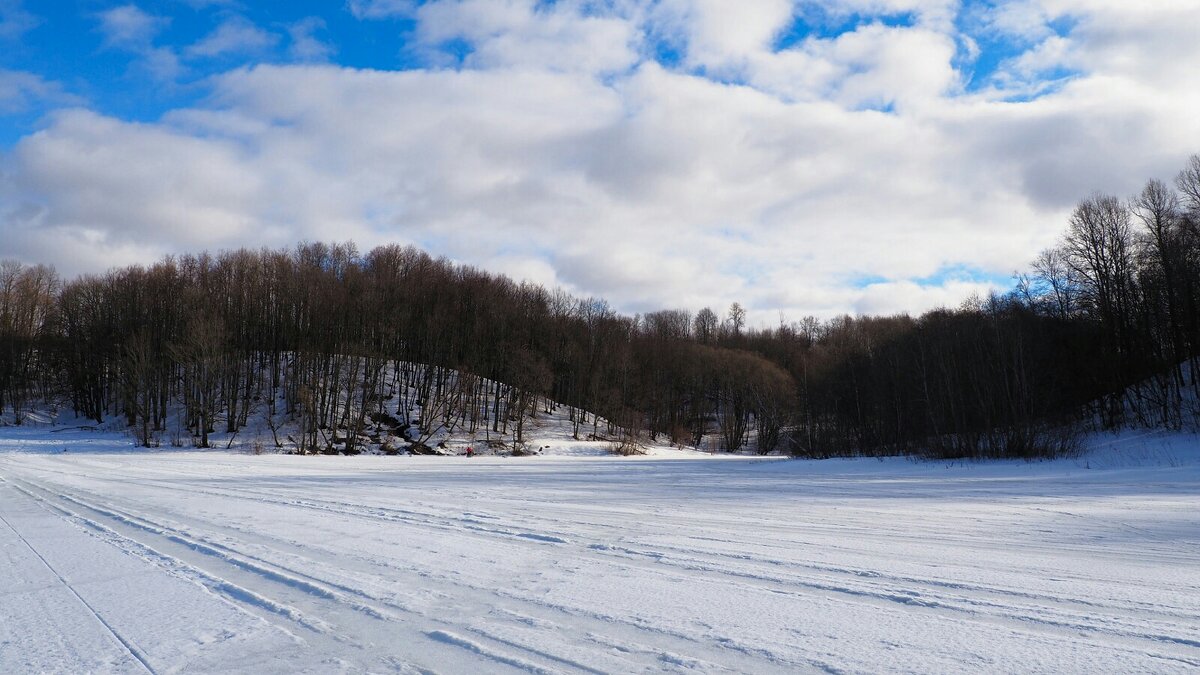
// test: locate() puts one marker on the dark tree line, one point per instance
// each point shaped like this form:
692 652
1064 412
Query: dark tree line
324 343
332 341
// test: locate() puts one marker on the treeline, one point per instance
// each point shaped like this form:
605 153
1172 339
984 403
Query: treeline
1104 330
325 338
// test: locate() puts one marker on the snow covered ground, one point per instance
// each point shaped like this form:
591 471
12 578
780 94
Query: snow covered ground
115 559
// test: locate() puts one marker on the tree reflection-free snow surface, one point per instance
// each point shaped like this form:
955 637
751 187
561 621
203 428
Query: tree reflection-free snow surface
213 561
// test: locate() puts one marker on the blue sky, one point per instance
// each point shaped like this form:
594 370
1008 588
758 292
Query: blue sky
810 157
69 42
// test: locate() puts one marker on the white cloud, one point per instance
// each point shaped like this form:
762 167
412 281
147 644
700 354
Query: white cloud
305 45
21 91
379 9
235 35
873 65
884 298
169 187
718 31
15 21
653 187
129 28
929 14
877 65
523 33
1026 20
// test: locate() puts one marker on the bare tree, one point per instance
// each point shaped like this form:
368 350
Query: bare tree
705 326
1188 183
736 318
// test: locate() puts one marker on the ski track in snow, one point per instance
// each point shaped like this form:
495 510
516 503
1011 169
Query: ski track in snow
593 565
131 649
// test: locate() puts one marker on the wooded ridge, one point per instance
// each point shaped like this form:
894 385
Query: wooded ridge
1104 330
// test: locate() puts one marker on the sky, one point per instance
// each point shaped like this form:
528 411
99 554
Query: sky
801 158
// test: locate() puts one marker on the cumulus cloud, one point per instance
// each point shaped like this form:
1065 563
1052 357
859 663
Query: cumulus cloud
379 9
718 33
883 298
20 91
305 45
842 173
526 33
129 28
876 64
1026 20
15 20
235 35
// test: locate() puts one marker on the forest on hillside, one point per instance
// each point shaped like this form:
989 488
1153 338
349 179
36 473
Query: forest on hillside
1103 330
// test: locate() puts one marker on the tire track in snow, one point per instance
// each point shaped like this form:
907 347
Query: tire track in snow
498 654
1025 618
1029 619
124 642
606 620
429 520
1081 604
221 587
601 623
408 517
692 562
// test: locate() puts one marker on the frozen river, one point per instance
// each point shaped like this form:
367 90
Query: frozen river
194 562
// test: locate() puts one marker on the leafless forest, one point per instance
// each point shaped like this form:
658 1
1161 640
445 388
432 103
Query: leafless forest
1103 330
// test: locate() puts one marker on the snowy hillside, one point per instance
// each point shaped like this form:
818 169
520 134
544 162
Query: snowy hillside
547 431
123 560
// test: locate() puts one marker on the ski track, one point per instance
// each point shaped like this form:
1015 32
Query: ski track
593 566
122 530
124 642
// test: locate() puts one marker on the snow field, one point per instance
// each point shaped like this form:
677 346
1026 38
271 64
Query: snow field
214 561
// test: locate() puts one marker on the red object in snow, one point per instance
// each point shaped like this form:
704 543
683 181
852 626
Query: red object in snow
470 451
